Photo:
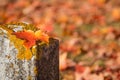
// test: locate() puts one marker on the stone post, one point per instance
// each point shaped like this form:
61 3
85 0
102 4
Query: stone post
44 67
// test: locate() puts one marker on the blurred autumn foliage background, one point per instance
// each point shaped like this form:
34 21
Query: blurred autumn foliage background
88 30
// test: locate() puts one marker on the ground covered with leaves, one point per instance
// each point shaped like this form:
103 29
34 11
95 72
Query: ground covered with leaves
88 30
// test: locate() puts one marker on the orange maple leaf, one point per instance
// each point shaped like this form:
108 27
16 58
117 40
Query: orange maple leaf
28 36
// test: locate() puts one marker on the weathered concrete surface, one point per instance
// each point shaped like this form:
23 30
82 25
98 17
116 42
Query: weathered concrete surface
10 67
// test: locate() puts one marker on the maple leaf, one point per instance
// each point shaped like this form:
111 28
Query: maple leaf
28 36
